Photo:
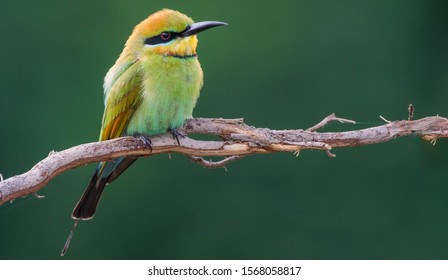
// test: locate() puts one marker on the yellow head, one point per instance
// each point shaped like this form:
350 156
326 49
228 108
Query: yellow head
167 33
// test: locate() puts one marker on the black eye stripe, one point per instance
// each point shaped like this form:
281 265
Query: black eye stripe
161 38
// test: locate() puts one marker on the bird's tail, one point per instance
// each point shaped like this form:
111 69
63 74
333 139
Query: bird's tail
105 173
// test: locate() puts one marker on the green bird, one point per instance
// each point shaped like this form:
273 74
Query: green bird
152 88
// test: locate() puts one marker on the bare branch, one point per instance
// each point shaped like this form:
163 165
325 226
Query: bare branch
238 140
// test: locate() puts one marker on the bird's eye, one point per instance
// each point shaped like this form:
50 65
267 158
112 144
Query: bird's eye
161 38
165 36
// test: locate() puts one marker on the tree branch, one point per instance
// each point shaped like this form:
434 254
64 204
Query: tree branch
236 141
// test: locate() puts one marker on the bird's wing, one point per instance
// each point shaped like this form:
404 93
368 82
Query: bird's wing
122 96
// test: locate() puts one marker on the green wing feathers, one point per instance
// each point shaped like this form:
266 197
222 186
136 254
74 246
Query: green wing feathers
121 99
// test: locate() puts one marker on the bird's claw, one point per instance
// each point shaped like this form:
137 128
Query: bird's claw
176 133
146 140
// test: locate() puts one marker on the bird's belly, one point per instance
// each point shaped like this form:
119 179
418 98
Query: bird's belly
152 118
167 100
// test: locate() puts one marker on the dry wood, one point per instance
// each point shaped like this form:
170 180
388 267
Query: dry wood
236 140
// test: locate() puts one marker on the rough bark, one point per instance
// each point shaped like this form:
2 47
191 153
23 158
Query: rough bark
234 141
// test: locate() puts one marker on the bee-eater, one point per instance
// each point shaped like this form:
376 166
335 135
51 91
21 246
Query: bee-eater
152 88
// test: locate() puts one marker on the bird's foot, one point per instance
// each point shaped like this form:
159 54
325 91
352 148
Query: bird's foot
176 133
145 139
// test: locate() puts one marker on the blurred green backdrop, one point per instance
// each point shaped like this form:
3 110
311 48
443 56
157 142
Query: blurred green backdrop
281 64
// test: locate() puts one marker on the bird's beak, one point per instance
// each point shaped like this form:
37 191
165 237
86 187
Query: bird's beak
197 27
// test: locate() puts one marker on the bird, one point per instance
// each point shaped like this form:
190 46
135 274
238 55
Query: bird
152 88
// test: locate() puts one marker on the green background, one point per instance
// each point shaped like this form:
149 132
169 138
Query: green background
279 64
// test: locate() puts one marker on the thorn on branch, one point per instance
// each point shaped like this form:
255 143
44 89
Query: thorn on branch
210 164
329 119
38 196
1 177
384 119
431 138
52 152
330 154
411 112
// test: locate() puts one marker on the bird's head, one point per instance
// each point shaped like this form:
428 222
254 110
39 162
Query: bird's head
167 33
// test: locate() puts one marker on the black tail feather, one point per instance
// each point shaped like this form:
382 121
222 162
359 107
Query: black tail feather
105 173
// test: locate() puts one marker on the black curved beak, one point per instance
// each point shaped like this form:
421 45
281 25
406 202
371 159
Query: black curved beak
197 27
